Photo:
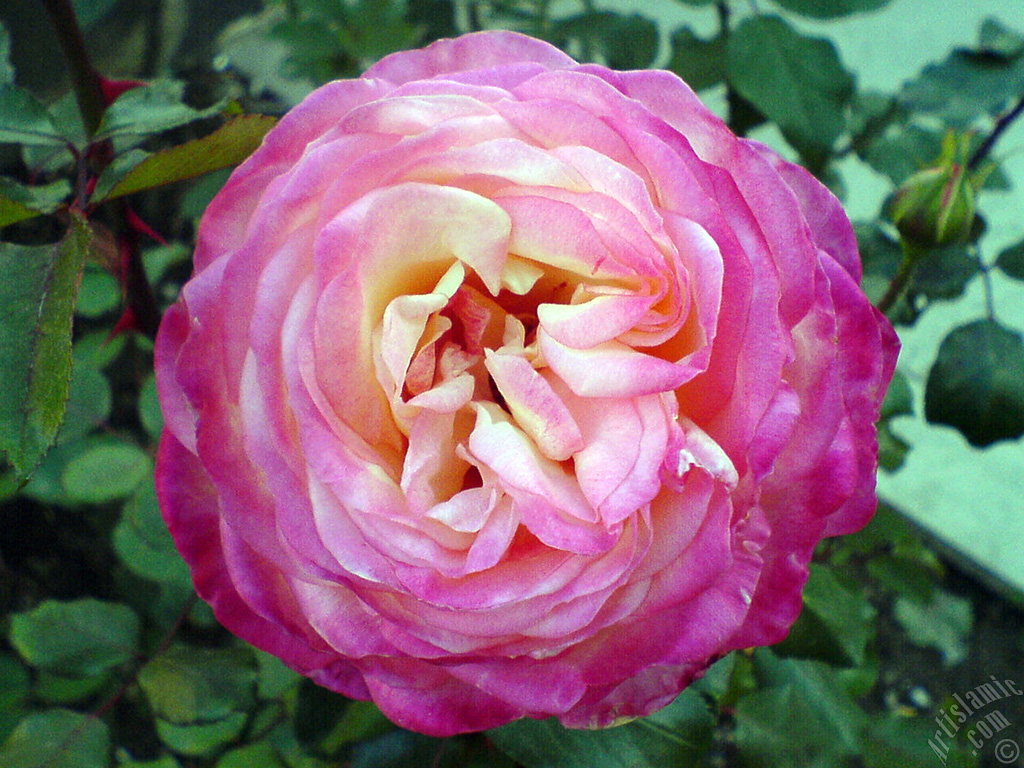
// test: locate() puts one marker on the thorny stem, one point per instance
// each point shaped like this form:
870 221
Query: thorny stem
1002 124
92 103
85 81
139 293
84 77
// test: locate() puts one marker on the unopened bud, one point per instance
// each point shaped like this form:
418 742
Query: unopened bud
935 206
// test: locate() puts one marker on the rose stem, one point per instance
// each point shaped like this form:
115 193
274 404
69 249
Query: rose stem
84 77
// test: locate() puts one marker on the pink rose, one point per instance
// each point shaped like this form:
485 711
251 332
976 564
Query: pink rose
507 386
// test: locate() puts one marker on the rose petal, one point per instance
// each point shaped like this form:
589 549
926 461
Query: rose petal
610 369
537 410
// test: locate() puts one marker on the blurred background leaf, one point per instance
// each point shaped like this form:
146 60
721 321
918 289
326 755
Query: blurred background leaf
977 383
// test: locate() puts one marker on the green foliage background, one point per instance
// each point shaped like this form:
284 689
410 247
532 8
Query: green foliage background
107 658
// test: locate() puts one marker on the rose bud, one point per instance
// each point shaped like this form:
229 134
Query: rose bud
507 386
935 206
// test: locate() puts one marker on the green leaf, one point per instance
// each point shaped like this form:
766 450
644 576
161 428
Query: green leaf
144 544
871 113
701 63
888 530
24 119
204 739
58 690
150 109
267 717
724 678
79 638
632 43
881 256
14 692
437 18
405 749
197 195
57 738
227 146
996 40
965 86
100 293
89 12
11 212
107 471
899 400
19 202
97 349
89 403
161 762
676 736
361 720
804 717
371 29
835 624
910 743
118 169
44 484
150 415
905 575
258 755
977 383
623 42
292 751
903 151
943 273
831 9
944 623
158 259
317 714
778 728
314 51
1011 261
187 685
9 485
37 300
892 449
796 81
275 678
59 159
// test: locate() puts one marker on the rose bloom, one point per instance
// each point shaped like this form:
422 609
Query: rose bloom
511 387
